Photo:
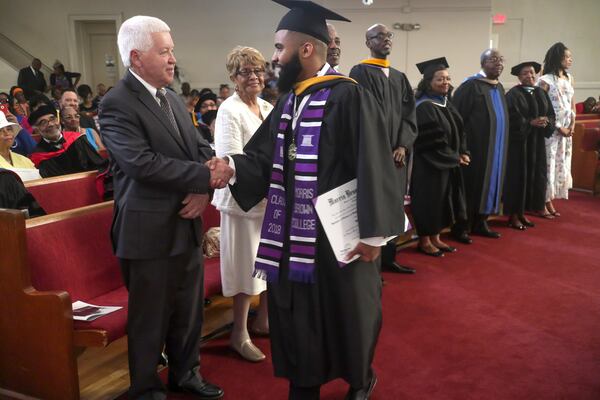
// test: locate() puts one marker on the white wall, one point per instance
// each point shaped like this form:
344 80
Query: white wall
8 76
535 25
205 31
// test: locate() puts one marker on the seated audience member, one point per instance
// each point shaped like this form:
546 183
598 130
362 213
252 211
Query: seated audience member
87 107
18 102
591 106
37 101
56 94
70 122
4 99
14 195
224 93
208 120
61 152
19 107
23 143
63 79
9 159
186 91
207 102
101 91
69 99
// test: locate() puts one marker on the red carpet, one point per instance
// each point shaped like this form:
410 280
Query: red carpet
514 318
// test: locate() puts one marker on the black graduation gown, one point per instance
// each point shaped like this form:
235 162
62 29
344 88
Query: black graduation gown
328 329
473 100
526 170
437 189
79 157
14 195
396 99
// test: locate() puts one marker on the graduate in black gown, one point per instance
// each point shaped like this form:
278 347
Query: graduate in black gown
481 102
394 94
437 189
324 318
531 120
61 152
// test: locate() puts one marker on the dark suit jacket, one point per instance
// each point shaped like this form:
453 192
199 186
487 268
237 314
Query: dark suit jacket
31 84
154 169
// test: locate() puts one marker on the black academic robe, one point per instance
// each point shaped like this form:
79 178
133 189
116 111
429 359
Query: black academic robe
526 170
437 188
396 100
14 195
80 156
328 329
473 100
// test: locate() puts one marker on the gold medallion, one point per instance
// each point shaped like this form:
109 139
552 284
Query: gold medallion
292 152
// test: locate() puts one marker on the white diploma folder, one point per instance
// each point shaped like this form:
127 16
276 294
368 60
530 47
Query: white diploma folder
337 212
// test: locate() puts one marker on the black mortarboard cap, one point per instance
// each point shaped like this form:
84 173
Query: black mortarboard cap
307 17
429 65
517 68
209 95
40 112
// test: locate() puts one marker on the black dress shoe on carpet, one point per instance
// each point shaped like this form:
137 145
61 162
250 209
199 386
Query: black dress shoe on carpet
401 269
527 223
199 388
462 237
486 233
438 253
519 227
448 249
482 229
362 394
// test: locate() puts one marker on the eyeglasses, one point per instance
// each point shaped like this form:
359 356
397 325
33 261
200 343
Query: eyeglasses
495 60
382 36
246 73
70 117
44 122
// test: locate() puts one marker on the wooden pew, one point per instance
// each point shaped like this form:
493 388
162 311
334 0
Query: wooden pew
48 263
586 117
584 162
65 192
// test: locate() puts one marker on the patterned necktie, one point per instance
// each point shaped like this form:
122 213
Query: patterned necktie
166 107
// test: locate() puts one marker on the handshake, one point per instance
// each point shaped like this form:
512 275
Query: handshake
220 172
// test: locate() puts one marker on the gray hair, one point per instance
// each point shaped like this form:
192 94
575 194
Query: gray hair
135 34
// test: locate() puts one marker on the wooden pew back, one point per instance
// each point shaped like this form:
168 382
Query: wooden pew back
71 251
65 192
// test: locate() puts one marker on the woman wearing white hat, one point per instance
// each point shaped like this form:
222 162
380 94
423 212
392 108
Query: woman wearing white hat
9 159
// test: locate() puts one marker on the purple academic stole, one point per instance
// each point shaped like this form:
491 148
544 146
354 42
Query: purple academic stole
303 225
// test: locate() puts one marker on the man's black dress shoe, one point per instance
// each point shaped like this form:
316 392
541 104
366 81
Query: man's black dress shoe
527 222
519 227
362 394
199 388
462 237
401 269
486 232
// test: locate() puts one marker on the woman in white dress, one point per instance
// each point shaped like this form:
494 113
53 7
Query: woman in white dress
559 85
237 119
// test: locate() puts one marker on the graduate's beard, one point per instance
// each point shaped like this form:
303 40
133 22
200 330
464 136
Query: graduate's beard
289 74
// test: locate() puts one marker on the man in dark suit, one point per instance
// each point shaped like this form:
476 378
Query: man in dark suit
161 186
32 80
